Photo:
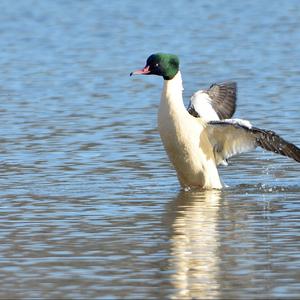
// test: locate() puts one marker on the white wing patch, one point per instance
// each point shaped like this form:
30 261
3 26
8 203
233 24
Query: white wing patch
239 122
202 104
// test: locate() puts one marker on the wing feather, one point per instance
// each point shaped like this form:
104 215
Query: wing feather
218 102
231 137
224 98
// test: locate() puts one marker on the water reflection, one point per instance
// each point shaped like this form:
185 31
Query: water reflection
194 245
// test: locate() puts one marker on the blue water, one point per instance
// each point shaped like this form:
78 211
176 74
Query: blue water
90 206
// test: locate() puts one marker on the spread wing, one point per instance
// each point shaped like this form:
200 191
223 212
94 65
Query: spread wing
218 102
231 137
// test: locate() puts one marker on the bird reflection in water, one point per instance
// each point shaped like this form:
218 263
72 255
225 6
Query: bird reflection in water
194 245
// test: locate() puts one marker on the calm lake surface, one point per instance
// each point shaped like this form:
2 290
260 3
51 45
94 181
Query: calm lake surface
90 206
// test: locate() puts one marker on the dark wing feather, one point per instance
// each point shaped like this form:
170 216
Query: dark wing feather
271 141
223 97
191 109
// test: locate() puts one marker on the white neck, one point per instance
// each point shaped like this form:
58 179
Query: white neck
176 81
172 93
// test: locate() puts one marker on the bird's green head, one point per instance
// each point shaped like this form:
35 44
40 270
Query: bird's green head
161 64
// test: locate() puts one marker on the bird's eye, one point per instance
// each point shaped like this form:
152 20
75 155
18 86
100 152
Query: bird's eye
156 65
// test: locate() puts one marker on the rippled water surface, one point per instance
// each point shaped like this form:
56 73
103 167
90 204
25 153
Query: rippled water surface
90 206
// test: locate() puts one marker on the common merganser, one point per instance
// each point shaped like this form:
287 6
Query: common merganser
200 138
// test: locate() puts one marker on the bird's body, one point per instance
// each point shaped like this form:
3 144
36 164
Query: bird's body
200 138
185 139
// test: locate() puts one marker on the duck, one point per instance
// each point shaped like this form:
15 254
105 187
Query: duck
203 136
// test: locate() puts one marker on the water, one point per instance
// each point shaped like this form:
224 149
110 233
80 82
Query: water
90 206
